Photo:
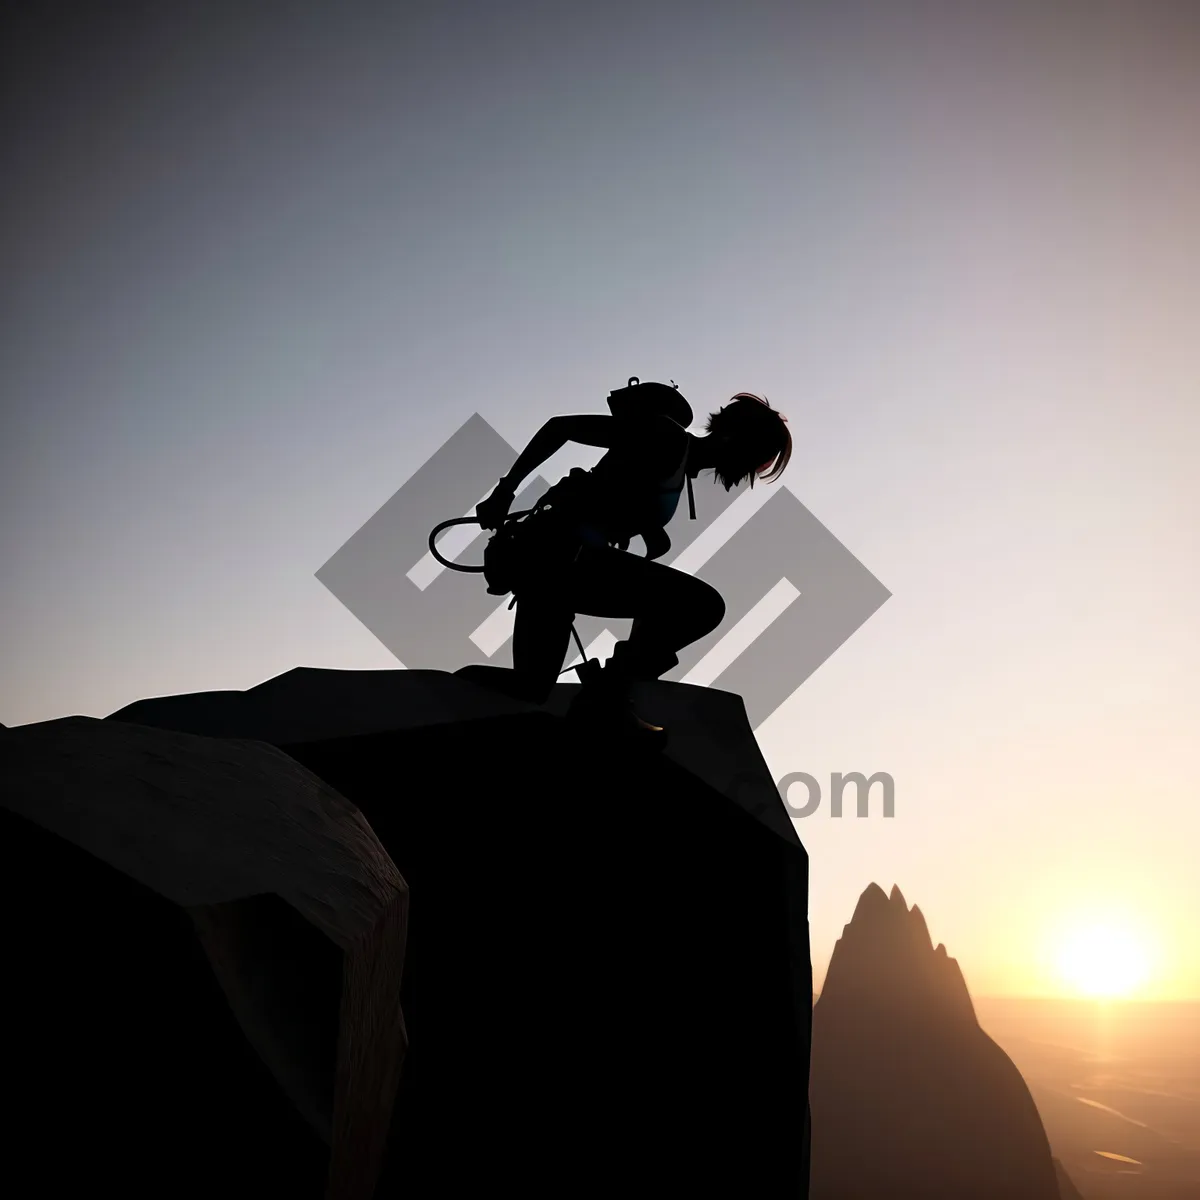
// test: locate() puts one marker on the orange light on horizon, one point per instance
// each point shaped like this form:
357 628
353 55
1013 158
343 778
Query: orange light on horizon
1104 959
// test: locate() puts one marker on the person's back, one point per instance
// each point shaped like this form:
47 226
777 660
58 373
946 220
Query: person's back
635 488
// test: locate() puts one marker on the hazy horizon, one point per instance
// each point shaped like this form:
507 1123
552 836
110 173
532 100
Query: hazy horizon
260 268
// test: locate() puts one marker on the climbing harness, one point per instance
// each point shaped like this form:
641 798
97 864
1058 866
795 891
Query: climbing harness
500 541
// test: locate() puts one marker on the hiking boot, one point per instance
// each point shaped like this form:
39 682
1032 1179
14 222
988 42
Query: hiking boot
610 714
604 701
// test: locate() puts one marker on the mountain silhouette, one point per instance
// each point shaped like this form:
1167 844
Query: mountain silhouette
910 1098
602 981
1066 1186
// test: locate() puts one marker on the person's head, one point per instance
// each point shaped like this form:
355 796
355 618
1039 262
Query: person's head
752 441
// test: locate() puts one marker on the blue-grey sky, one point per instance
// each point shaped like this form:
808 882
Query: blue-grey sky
261 261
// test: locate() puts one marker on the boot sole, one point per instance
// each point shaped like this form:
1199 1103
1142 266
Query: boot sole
605 726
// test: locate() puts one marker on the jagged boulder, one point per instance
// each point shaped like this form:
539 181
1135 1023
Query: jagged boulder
910 1098
300 909
606 973
125 1070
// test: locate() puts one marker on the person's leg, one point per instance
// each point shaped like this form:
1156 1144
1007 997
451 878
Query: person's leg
670 608
542 623
541 638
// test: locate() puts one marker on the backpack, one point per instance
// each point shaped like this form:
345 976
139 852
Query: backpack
637 399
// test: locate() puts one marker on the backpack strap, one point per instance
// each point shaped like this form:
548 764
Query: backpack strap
688 478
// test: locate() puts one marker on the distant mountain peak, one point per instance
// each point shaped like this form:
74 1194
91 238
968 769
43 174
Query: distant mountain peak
920 928
886 958
897 1055
874 898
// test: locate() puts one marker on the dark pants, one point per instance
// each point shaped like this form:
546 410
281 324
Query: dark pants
670 609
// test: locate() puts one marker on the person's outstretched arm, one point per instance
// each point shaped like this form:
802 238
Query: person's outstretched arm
586 429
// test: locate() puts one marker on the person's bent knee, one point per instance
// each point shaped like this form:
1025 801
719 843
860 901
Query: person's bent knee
707 607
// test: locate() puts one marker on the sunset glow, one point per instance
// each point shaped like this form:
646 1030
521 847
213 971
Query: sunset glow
1105 960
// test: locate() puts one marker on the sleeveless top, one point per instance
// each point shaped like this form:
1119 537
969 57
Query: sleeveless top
607 507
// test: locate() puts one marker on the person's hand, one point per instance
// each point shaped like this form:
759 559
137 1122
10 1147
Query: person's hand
494 509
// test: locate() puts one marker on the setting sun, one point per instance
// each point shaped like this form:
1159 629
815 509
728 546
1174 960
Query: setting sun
1104 960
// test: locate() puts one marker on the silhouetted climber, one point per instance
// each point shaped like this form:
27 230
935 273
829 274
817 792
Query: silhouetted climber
570 554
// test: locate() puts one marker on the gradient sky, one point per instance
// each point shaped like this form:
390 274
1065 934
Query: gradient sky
260 261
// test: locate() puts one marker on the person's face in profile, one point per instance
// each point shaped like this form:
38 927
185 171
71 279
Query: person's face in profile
739 457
